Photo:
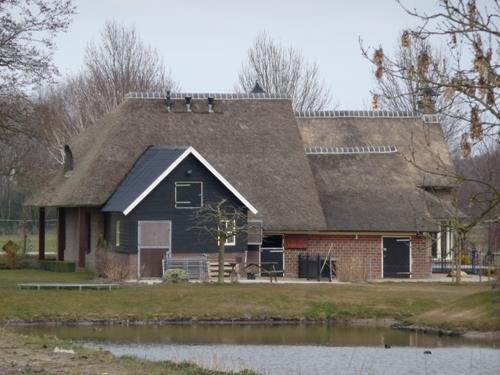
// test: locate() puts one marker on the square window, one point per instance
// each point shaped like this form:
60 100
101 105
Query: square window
188 194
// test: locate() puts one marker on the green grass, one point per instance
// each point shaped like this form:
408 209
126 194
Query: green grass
31 241
423 303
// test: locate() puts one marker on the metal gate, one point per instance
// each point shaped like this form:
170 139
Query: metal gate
154 240
315 267
271 261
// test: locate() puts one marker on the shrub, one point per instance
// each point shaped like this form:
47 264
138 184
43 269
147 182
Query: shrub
11 258
175 275
101 256
116 270
57 266
350 269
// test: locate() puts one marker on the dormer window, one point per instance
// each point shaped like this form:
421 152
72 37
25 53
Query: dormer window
68 161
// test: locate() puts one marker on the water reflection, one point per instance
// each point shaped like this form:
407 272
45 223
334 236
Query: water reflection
325 335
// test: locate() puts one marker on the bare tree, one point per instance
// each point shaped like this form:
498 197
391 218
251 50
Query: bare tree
222 222
283 70
468 84
119 63
27 32
394 93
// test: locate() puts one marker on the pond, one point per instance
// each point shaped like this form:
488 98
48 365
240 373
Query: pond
291 349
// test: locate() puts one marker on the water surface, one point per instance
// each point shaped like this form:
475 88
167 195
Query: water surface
285 349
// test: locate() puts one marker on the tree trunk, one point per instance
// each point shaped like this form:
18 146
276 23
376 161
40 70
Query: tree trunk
222 242
458 259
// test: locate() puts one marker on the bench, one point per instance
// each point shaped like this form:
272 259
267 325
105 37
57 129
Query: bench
39 286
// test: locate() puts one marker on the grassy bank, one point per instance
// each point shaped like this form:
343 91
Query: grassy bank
468 306
30 354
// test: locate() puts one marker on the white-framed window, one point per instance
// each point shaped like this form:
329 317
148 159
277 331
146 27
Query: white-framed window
228 225
188 194
117 233
444 240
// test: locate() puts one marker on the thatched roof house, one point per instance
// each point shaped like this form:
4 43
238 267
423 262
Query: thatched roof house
306 174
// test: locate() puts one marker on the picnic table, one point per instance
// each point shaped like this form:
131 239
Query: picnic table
269 268
39 286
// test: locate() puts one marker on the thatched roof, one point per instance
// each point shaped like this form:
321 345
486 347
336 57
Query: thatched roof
251 139
421 143
369 166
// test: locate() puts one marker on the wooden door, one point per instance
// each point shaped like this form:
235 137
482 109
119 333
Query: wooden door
151 262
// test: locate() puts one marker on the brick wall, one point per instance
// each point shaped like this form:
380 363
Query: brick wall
362 254
420 257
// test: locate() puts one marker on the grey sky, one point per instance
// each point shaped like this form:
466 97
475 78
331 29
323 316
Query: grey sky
205 42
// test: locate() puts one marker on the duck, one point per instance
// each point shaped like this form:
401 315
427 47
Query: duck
387 346
427 352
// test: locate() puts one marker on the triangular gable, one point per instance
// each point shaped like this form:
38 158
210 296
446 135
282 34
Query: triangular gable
139 196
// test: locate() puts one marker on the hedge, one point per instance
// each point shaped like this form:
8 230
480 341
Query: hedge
57 266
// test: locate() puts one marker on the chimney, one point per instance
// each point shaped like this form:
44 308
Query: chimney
168 101
257 89
210 104
427 101
187 100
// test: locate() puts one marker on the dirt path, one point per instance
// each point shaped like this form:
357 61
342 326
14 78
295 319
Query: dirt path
33 355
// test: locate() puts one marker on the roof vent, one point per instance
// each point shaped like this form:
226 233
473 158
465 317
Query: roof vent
187 100
168 102
257 89
68 161
210 104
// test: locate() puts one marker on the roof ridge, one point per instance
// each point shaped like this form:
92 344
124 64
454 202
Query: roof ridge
220 96
357 113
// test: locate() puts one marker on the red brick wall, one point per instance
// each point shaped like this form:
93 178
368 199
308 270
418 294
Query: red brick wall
363 254
420 257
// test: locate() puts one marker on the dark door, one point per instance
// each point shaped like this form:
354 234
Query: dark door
271 260
151 262
396 257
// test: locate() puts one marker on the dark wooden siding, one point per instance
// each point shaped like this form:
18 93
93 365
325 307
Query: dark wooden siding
160 205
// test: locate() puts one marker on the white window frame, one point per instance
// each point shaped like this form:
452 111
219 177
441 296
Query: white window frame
230 241
117 233
188 183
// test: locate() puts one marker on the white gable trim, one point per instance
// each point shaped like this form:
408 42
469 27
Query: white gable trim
202 160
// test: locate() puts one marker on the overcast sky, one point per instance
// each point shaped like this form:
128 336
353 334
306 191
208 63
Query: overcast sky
205 42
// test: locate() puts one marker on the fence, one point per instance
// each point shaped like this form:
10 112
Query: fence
316 267
195 267
25 234
475 262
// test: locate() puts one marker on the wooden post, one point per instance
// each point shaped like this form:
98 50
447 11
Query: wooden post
82 237
319 267
41 233
61 233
